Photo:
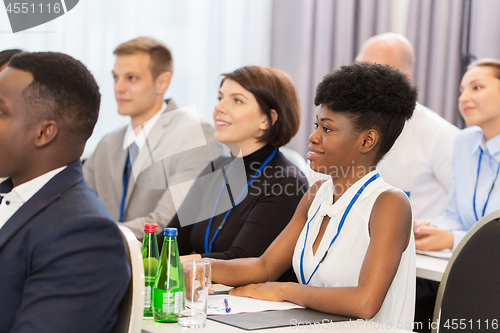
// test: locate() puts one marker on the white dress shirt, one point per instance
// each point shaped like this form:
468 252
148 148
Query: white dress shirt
20 194
419 163
342 265
139 136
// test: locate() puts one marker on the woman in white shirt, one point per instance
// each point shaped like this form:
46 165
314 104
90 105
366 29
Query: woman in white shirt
350 241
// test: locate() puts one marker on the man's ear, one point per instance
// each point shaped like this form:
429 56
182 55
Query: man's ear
46 133
274 117
163 82
370 140
408 75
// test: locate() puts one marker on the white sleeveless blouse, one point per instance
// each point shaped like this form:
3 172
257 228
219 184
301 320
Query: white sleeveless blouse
342 265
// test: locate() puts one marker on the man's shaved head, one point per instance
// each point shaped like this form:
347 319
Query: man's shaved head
389 49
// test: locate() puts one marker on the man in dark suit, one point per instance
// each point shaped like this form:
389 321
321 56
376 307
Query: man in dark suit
63 262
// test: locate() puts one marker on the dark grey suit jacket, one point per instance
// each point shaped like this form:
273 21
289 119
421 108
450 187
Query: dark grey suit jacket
63 262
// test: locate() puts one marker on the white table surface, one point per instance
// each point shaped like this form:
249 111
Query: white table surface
427 267
430 268
212 326
148 324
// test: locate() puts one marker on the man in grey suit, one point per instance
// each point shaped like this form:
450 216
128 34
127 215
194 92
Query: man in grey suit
133 168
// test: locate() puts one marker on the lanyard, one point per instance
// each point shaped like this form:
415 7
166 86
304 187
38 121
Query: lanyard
341 224
475 187
208 246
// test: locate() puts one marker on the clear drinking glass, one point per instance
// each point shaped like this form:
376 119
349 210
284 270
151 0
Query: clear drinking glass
197 280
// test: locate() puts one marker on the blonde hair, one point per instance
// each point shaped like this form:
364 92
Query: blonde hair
494 64
161 58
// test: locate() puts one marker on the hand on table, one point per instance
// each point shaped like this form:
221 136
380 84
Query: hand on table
429 238
417 224
269 291
193 256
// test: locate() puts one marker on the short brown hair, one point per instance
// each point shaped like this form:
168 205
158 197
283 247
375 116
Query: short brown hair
161 58
273 90
494 64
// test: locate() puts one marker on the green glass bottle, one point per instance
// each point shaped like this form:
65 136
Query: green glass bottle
168 291
150 258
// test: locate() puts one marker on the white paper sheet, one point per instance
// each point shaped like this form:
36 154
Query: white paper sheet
443 254
244 304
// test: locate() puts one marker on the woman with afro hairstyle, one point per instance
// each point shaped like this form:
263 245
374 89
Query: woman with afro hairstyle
350 241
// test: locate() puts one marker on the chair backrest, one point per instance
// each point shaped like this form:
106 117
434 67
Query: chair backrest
294 157
468 298
131 308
